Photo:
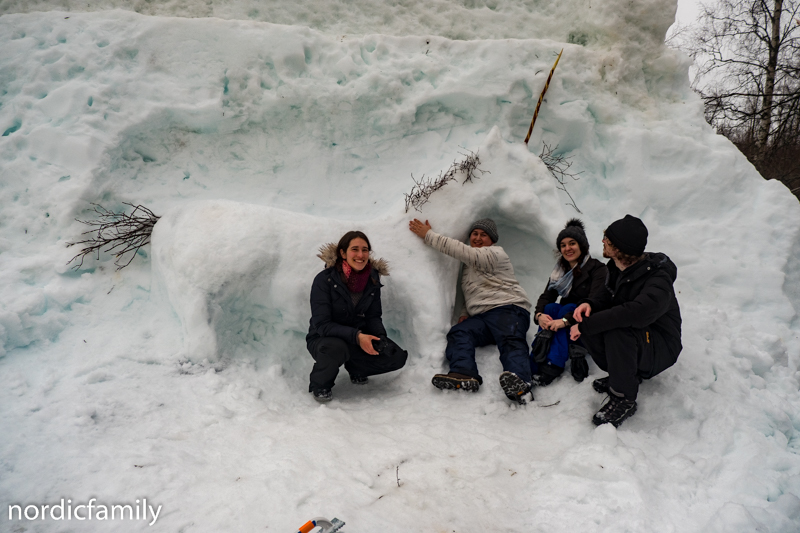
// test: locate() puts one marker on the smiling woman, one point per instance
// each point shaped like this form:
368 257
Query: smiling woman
346 326
576 276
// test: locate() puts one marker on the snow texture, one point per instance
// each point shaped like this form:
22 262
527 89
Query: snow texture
260 131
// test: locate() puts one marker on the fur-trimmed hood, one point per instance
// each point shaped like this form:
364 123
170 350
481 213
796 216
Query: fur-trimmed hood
328 254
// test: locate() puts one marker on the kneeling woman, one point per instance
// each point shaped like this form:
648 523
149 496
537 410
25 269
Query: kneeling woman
576 276
346 326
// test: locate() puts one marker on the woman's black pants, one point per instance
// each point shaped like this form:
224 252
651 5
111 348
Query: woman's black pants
330 353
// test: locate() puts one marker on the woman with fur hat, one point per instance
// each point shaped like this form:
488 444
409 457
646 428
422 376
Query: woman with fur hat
576 277
346 326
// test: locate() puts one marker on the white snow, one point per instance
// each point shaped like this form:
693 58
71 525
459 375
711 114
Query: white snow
260 131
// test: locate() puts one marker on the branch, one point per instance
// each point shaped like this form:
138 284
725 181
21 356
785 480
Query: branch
559 165
116 231
424 187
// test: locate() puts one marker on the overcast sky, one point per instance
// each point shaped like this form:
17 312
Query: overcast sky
687 11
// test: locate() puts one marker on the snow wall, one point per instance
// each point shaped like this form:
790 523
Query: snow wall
312 123
258 143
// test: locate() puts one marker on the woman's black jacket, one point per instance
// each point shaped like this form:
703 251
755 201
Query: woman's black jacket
333 313
590 284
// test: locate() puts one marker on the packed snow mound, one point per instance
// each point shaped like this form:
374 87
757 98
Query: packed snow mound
644 22
239 273
145 113
184 375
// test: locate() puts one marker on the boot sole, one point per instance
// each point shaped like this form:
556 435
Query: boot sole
449 383
513 387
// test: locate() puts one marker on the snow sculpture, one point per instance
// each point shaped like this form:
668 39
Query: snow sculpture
235 272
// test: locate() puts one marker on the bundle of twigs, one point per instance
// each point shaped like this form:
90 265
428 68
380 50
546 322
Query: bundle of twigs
424 187
559 165
116 232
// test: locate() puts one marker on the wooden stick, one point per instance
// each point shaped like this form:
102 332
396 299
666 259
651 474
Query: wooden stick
541 97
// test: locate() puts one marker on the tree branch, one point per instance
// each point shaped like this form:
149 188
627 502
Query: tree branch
120 232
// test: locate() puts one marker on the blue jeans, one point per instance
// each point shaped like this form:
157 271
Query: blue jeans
559 346
505 326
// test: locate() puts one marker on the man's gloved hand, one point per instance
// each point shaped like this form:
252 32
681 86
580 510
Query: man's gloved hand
577 362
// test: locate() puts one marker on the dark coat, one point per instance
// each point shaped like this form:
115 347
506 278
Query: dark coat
589 285
333 313
641 296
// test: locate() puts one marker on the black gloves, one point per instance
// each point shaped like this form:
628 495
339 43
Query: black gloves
577 362
541 345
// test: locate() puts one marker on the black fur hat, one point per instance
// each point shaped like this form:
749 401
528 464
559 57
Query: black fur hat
574 230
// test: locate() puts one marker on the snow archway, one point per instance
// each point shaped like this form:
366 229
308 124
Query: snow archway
239 273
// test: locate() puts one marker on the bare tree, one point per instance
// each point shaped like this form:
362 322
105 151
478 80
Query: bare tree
747 52
748 56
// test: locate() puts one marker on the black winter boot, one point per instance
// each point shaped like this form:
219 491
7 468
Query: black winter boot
323 395
615 411
359 380
601 385
548 372
514 387
455 381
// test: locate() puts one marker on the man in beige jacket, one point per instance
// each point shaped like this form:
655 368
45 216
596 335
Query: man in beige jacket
496 311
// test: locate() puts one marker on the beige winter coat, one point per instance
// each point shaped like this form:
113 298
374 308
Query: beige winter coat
487 279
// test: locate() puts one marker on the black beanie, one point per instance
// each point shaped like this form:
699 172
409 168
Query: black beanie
574 230
629 235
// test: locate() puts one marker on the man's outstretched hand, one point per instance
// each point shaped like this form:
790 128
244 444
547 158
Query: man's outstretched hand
419 228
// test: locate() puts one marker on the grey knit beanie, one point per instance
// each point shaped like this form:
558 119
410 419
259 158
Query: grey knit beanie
487 225
574 229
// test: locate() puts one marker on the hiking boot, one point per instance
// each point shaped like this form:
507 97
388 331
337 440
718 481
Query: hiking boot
455 381
323 395
601 385
615 411
514 387
547 374
359 380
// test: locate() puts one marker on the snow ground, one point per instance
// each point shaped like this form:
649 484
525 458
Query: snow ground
268 131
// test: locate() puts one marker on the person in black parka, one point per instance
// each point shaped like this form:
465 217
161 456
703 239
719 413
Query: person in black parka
346 326
637 335
576 277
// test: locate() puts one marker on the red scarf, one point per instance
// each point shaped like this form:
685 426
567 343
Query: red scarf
356 281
